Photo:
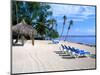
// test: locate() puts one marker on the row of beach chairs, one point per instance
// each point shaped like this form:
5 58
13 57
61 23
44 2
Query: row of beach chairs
71 52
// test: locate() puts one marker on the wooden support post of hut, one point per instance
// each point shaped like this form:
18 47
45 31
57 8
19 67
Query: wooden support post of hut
33 40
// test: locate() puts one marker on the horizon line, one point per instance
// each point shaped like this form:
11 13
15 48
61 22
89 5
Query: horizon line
79 36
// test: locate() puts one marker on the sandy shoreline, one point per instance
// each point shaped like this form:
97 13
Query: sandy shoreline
42 57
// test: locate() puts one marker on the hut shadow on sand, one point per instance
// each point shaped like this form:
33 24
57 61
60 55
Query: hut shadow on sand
20 31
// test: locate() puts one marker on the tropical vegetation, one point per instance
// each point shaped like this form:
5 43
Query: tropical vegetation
36 14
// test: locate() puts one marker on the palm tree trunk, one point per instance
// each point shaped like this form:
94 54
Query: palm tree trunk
64 18
70 24
66 36
62 31
16 12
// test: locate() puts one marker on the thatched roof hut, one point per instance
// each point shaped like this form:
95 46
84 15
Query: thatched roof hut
24 29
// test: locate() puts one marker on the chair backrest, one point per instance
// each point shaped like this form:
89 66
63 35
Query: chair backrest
77 51
63 46
73 49
66 47
70 48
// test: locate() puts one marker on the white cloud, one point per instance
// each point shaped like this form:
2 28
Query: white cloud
77 20
91 30
74 11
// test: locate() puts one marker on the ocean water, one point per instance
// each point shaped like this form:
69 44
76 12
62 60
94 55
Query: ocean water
90 40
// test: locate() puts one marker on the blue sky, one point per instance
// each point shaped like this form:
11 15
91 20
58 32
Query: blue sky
83 17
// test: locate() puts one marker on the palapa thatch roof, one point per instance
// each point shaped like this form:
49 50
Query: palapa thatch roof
24 28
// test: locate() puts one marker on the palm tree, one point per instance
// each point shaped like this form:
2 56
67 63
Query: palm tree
64 18
24 10
35 14
16 11
70 24
56 26
51 23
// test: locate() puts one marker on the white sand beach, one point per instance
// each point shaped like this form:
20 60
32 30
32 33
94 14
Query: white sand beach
42 57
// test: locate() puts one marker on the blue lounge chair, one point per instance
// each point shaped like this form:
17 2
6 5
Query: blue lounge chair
62 50
55 41
81 52
77 52
71 52
67 50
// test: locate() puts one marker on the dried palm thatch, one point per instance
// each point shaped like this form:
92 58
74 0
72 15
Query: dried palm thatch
24 29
